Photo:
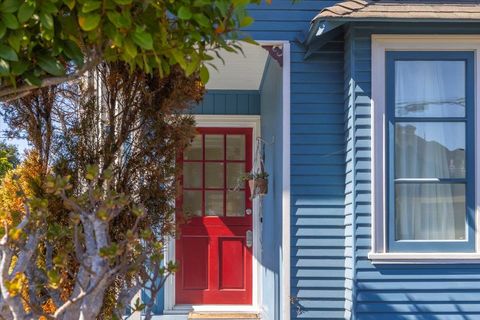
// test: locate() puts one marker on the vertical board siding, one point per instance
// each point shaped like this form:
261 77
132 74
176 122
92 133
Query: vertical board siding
398 291
228 102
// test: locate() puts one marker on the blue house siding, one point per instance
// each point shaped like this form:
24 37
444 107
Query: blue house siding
349 176
317 160
272 133
228 102
398 291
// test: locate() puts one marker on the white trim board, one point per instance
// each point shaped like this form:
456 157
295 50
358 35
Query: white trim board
380 44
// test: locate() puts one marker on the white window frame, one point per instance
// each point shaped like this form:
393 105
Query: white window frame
380 44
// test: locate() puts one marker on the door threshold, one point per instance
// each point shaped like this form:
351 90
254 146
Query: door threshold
197 315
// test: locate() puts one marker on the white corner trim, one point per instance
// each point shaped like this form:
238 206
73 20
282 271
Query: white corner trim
380 44
285 283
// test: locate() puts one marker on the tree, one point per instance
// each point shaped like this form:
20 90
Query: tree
44 43
92 221
9 158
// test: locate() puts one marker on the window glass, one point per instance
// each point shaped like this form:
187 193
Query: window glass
214 147
214 172
194 151
235 147
430 211
428 187
430 88
429 150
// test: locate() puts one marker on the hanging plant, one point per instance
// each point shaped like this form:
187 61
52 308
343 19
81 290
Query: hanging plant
257 182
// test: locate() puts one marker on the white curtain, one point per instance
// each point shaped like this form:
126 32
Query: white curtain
429 211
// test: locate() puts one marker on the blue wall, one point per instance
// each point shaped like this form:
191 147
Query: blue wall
436 291
317 161
241 102
271 132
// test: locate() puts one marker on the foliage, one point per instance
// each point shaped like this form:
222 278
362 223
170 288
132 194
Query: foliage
94 210
9 158
46 42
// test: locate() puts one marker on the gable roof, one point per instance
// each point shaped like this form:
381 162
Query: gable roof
453 10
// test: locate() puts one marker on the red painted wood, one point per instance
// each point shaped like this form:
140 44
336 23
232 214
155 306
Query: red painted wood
215 265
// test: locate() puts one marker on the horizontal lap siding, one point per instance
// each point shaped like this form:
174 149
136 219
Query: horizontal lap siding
317 161
349 87
318 187
399 291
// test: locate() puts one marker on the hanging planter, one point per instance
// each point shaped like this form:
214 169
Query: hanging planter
258 183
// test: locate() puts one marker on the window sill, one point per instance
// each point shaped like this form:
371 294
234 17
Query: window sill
423 258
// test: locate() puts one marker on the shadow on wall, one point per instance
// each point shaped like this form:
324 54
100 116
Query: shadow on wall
442 292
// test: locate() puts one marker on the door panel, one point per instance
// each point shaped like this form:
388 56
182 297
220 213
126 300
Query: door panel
215 263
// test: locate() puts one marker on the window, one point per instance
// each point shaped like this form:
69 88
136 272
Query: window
430 146
425 171
212 170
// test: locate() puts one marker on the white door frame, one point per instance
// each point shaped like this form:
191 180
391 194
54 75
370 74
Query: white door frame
173 310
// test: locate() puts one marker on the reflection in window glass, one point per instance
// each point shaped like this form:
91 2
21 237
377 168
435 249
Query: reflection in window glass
214 175
235 203
194 151
430 211
430 88
235 147
192 203
235 172
429 150
214 203
192 175
214 147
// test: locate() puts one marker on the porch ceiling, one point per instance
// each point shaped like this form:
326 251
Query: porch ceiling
239 72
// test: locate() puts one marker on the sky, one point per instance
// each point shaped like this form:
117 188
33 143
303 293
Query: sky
21 144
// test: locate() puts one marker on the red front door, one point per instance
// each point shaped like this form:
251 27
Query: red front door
213 251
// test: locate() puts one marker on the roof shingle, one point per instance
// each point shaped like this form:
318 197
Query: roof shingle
402 9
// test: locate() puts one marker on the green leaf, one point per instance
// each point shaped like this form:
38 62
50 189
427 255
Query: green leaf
46 20
26 11
69 3
10 21
32 80
8 53
10 6
246 21
123 2
204 74
119 20
91 6
18 68
89 22
184 13
14 40
49 7
4 67
51 66
130 48
73 52
202 20
179 58
143 39
3 29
